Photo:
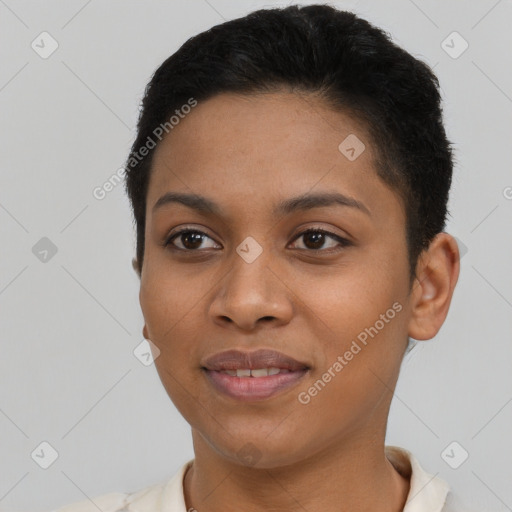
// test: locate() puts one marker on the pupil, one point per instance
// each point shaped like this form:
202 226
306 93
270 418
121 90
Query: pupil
195 238
317 239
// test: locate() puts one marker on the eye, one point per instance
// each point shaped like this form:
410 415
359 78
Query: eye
191 239
314 239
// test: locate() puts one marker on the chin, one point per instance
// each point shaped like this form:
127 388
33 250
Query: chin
258 449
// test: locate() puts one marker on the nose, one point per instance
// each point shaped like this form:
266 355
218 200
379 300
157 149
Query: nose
252 294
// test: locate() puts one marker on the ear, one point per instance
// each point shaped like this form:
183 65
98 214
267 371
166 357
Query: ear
145 332
437 272
135 266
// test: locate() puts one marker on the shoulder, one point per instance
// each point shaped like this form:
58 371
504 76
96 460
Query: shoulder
146 499
427 492
455 503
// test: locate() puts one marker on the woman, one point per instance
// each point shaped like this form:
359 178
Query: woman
289 183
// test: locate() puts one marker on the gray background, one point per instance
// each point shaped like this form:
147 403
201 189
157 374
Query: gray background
70 324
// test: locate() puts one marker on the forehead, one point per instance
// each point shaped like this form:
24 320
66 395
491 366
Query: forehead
271 125
245 149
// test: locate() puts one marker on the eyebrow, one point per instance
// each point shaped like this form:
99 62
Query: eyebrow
300 203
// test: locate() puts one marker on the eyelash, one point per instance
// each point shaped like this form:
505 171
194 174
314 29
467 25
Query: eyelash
343 242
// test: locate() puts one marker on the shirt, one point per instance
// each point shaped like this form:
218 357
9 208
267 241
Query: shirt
427 493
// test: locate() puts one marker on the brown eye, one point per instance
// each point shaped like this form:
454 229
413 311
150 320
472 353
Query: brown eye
315 240
191 240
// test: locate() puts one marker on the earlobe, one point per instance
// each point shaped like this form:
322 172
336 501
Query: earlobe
437 272
145 332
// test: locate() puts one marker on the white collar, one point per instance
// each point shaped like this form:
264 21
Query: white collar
427 492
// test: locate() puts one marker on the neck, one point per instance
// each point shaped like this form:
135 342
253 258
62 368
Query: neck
346 477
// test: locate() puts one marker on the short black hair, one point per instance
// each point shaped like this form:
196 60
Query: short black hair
351 64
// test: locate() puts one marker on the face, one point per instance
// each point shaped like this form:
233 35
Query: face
267 264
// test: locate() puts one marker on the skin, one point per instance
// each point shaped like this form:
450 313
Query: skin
248 153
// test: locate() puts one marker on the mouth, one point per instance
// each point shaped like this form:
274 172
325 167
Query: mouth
253 376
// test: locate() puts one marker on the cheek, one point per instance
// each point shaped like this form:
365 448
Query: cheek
361 351
172 304
348 300
359 373
166 298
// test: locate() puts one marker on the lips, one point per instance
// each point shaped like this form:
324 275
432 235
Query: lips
252 376
238 360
